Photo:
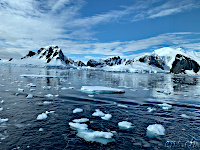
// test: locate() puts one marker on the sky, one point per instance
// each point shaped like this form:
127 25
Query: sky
94 29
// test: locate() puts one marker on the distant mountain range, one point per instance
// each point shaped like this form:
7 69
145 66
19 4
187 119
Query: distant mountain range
165 59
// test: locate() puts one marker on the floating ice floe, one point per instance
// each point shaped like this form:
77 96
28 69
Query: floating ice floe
3 120
106 117
42 116
78 126
29 96
2 101
125 125
155 130
165 106
96 136
90 95
21 90
101 89
49 95
149 109
31 85
71 87
1 108
185 116
98 113
41 129
64 88
31 90
121 105
46 87
81 120
77 110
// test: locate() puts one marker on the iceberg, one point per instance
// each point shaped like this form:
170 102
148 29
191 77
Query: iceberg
155 130
125 125
101 89
42 116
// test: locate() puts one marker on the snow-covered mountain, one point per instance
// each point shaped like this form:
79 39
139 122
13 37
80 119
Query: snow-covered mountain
161 60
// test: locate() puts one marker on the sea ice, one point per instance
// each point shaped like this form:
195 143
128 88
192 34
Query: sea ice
3 120
96 136
101 89
78 126
21 90
49 95
1 108
185 116
98 113
151 109
42 116
29 96
165 106
124 125
155 130
77 110
106 117
81 120
121 105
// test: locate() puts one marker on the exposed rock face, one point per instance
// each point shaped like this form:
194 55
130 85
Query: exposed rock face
80 63
153 60
94 63
30 54
114 61
183 63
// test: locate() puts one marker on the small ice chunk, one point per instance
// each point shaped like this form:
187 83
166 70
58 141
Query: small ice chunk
31 90
41 129
155 130
71 87
146 89
42 116
56 95
2 101
185 116
96 136
124 125
77 110
98 113
1 108
151 109
101 89
49 95
121 105
64 88
165 106
3 120
47 102
16 94
31 85
49 112
29 96
78 126
81 120
21 90
106 117
90 95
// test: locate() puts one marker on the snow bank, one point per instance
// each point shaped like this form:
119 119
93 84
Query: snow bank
101 89
125 125
155 130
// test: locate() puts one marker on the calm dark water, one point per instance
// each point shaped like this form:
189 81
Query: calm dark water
21 131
